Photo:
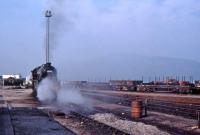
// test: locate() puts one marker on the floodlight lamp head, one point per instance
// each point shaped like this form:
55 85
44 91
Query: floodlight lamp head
48 13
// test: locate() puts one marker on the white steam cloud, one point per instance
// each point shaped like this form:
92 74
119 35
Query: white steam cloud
69 96
46 91
49 92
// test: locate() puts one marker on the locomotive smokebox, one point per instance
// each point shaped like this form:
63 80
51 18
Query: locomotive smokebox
42 72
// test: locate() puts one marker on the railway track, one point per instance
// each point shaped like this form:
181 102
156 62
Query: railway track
185 110
179 109
169 129
96 127
88 124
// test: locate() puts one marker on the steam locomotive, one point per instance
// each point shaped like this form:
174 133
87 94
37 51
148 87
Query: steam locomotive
40 73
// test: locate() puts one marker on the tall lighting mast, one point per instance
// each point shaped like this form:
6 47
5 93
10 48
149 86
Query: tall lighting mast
48 15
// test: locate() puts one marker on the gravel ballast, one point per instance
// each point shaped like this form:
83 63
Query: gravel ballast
131 127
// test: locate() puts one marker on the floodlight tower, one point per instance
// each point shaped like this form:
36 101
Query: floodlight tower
48 15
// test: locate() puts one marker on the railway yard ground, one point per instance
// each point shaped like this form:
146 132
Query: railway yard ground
109 113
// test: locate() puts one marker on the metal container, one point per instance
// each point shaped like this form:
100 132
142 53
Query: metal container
136 111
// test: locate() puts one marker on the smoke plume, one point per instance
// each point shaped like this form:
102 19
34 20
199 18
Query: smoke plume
60 22
138 27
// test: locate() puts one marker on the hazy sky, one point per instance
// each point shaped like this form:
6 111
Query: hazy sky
89 30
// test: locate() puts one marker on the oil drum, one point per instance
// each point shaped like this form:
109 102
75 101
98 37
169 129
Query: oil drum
136 111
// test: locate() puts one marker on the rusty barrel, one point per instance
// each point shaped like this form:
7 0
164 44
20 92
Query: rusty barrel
136 111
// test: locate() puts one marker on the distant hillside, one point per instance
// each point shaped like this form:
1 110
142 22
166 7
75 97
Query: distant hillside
129 67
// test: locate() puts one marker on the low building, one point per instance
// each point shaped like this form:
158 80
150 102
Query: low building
16 76
12 80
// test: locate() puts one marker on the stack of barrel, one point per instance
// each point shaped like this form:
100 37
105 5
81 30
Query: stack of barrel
137 108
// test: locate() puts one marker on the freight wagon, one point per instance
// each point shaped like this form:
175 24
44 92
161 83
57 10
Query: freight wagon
125 85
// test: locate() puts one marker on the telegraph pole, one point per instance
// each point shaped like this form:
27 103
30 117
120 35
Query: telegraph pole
48 15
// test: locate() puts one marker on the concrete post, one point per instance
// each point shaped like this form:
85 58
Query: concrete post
145 108
198 119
